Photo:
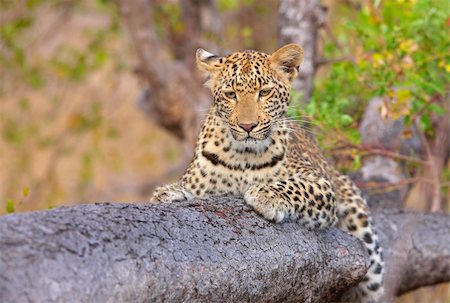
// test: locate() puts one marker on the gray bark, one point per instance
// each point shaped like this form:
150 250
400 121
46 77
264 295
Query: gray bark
387 134
202 251
416 248
205 251
299 22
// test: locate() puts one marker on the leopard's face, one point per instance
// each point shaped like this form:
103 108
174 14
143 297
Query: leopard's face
251 89
249 96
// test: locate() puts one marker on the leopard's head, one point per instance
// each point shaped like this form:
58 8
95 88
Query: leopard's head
251 89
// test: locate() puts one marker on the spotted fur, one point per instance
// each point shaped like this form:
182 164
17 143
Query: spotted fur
247 146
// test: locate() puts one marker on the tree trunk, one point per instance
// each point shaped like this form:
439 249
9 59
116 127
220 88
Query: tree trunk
299 22
436 153
208 250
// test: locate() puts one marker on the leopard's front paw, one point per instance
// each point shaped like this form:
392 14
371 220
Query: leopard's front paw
170 193
265 203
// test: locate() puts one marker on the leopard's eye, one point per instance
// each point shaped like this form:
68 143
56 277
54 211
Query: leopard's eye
265 92
230 95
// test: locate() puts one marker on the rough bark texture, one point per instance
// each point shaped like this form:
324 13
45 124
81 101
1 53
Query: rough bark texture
416 248
208 250
299 22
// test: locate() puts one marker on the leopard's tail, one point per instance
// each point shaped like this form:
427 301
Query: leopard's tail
354 217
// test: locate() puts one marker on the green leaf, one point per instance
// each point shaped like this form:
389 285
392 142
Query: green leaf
356 162
34 78
425 122
10 206
24 104
26 191
437 109
346 120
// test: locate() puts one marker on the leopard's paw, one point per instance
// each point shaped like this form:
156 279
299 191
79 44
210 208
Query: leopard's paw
265 203
170 193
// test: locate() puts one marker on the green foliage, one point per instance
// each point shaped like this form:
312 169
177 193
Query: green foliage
11 204
397 50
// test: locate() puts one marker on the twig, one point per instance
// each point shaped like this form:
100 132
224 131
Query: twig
333 38
324 61
435 204
390 154
64 15
368 151
352 4
381 187
423 108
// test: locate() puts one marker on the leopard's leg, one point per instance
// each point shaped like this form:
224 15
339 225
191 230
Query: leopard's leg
311 200
354 217
171 193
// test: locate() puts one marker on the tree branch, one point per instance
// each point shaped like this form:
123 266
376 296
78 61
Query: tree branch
174 98
208 250
416 248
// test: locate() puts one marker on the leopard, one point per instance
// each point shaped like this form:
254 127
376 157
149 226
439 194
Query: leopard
249 146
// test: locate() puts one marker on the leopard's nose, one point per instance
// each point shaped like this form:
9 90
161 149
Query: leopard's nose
248 126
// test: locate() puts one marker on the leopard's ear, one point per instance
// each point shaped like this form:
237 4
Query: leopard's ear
207 62
287 60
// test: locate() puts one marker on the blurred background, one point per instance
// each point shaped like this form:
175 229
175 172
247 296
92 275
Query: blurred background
101 100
